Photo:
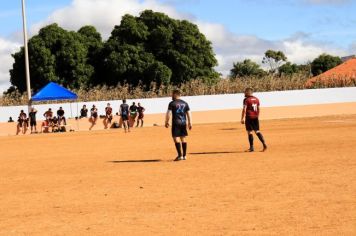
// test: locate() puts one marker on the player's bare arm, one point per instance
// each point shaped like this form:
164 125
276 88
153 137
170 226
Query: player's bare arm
168 117
189 115
243 115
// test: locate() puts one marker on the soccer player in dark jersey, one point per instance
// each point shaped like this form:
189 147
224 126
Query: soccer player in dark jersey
249 117
181 118
124 113
141 115
108 115
33 122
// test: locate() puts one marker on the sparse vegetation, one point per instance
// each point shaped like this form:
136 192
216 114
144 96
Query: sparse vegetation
191 88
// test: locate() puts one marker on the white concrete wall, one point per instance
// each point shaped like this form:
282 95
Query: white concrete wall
207 103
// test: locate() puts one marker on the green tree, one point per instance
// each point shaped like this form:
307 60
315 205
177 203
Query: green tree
324 63
288 69
246 68
149 48
274 59
55 55
156 48
92 39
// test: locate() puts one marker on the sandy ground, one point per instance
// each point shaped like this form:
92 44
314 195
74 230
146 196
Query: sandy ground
109 183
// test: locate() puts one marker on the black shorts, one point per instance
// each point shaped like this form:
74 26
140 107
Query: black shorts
33 123
124 117
252 124
179 131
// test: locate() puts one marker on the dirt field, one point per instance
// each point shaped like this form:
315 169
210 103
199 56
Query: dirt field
109 183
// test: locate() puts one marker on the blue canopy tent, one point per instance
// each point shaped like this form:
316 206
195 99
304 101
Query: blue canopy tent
53 91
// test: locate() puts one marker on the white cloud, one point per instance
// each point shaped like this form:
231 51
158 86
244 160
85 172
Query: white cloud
103 14
353 48
6 49
321 2
230 47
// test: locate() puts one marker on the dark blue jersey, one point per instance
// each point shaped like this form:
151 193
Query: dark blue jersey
124 109
179 110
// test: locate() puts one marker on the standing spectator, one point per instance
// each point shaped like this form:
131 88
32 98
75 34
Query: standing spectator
22 123
141 115
33 122
93 116
133 114
108 115
61 117
84 112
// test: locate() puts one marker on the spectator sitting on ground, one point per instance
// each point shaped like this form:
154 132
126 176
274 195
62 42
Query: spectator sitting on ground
45 126
84 112
61 117
55 124
10 120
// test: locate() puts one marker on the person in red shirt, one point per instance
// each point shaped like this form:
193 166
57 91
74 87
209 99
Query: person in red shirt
249 117
108 116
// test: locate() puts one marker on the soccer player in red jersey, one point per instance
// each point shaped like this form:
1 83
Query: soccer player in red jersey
249 117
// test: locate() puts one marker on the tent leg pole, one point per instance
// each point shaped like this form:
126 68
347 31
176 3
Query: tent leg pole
77 117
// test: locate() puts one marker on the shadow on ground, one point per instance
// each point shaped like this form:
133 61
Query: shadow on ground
136 161
229 129
212 153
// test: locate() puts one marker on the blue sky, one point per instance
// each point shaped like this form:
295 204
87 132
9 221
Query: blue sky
329 21
238 29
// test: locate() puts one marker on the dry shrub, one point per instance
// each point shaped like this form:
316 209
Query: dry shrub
191 88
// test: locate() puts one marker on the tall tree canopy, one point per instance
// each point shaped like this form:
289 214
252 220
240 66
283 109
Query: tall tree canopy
274 59
246 68
324 63
156 48
55 55
149 48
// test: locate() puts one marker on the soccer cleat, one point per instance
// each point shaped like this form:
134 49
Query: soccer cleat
184 158
250 149
264 148
179 159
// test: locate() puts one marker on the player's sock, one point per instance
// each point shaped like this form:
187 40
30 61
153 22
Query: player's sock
260 136
250 139
179 150
184 146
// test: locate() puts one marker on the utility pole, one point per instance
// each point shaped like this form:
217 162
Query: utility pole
27 64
